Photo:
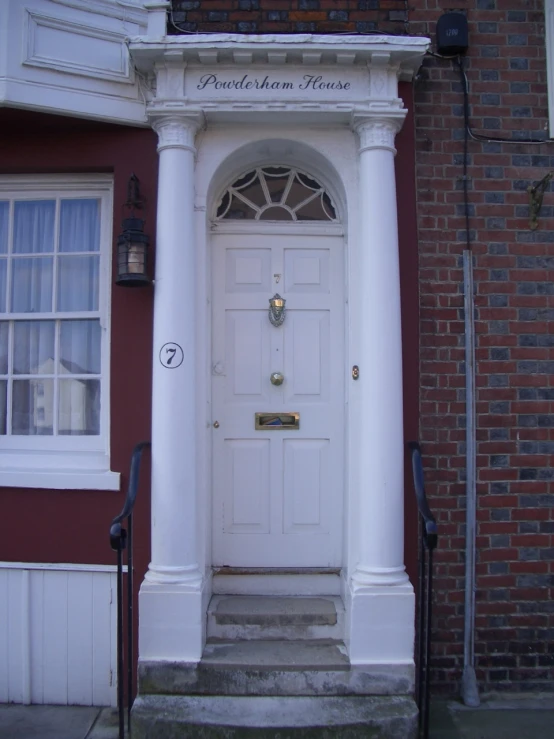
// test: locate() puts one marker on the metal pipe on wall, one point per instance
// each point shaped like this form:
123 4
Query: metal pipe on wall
470 691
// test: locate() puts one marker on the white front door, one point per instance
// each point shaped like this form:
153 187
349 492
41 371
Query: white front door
278 492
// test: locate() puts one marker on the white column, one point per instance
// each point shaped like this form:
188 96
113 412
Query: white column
382 603
170 598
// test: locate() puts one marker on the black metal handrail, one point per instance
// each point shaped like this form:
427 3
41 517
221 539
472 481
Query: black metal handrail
428 542
122 538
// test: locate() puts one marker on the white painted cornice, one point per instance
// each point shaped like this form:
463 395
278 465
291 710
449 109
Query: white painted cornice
305 79
124 10
405 53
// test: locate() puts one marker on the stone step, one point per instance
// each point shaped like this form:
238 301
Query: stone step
274 668
276 581
231 717
246 617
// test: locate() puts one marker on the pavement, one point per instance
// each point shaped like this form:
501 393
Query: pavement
57 722
503 716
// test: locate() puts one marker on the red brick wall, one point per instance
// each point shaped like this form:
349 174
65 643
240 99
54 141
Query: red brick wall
514 272
289 16
514 268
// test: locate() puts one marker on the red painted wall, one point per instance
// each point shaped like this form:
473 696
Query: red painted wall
65 525
409 292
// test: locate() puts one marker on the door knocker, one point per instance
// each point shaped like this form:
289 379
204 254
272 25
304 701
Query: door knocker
277 310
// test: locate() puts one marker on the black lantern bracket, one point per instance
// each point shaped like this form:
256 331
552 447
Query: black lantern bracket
132 242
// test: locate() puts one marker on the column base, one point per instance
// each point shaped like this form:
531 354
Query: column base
381 624
172 621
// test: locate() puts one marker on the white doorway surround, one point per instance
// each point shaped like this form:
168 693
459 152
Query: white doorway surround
328 105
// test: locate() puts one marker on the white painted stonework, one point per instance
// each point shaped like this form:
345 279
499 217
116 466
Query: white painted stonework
70 57
223 105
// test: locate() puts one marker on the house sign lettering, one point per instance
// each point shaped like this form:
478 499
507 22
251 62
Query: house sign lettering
314 82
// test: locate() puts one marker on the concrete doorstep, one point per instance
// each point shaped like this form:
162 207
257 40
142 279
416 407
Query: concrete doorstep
529 716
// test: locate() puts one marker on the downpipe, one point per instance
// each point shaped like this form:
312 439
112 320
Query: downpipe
469 689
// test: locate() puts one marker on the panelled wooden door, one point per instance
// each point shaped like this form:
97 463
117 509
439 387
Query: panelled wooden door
278 493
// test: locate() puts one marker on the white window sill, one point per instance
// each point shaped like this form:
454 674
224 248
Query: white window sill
60 480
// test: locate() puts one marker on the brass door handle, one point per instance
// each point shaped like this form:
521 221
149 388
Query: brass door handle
216 424
277 378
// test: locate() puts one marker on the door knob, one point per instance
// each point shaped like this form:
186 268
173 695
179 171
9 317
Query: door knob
277 378
216 424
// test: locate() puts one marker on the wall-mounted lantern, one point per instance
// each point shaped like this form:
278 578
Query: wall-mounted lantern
132 242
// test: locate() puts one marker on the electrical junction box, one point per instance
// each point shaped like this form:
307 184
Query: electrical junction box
452 36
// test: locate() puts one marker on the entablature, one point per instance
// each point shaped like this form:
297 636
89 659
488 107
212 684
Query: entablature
301 77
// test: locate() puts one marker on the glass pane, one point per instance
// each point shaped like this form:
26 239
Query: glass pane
308 181
238 210
4 216
34 226
80 347
34 348
32 285
80 225
245 180
79 413
328 206
312 211
255 193
3 274
276 213
297 194
78 283
32 407
224 205
275 171
276 187
4 328
3 402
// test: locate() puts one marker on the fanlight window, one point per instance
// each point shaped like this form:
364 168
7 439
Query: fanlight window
276 194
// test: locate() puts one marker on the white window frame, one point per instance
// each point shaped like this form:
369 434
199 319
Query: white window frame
67 462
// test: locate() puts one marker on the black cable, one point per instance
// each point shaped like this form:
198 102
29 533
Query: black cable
469 130
466 154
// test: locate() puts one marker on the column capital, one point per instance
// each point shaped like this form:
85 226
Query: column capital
177 131
377 131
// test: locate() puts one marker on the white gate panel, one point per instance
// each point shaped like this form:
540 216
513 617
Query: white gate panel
57 634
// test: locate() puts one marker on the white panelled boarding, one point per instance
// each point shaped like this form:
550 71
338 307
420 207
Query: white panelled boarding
57 634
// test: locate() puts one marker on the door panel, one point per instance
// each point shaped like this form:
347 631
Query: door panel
246 471
306 480
307 346
247 337
278 493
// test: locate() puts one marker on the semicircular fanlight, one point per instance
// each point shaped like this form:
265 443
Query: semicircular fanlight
276 193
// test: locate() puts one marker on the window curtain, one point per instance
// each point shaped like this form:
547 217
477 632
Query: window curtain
48 348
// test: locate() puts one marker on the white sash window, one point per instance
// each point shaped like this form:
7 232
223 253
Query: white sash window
55 237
